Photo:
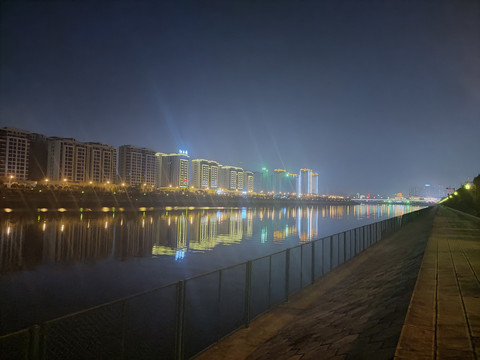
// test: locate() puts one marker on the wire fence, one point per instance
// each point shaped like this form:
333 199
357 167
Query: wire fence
180 320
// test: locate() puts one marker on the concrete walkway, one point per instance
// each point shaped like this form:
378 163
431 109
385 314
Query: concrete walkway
443 320
356 311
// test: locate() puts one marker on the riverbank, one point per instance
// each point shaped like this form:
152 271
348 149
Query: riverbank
96 199
354 312
466 198
413 295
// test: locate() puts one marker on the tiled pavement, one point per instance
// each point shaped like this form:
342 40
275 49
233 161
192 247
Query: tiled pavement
443 320
355 312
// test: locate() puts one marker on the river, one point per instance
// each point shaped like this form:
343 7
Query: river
58 263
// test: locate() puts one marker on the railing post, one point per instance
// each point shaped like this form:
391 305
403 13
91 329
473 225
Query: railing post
287 274
313 262
179 346
331 253
123 329
34 342
301 266
270 281
248 293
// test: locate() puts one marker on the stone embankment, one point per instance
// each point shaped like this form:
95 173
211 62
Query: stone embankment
95 199
415 294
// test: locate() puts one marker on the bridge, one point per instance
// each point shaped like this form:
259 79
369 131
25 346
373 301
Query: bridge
398 201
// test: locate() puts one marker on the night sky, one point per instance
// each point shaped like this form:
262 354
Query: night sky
376 96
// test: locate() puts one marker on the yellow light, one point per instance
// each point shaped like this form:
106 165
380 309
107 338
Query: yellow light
65 179
468 186
46 180
123 184
91 182
11 176
455 193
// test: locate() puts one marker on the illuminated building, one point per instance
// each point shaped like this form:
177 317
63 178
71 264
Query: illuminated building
231 178
291 183
315 183
248 181
78 162
305 182
67 160
279 180
14 153
102 163
175 170
158 168
205 174
137 165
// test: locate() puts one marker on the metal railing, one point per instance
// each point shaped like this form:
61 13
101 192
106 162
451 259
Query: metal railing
180 320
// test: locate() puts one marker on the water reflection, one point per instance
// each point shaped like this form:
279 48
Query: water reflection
26 243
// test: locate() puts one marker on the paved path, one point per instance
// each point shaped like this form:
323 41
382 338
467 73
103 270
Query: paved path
443 320
355 312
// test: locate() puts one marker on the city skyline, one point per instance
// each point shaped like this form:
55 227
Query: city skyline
27 156
374 97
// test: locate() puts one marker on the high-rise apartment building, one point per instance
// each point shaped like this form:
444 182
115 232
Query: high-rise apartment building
158 168
175 170
292 183
137 165
102 163
205 174
67 160
231 178
315 183
305 182
279 180
73 161
38 158
248 181
14 154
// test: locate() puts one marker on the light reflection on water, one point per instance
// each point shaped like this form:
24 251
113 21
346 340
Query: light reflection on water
26 243
55 264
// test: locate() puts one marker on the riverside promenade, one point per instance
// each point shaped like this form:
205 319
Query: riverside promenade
414 295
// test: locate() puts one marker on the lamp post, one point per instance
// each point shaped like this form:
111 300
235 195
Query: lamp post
10 178
470 186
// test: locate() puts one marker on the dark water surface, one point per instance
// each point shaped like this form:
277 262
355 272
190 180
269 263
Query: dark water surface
55 264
